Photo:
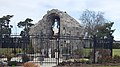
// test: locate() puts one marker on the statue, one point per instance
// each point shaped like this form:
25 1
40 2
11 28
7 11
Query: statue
55 27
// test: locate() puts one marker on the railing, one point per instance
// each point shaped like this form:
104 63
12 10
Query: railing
51 49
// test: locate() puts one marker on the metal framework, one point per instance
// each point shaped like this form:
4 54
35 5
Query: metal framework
54 49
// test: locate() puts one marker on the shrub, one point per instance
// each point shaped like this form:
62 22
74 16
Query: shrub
25 58
105 59
12 63
103 55
9 56
30 49
104 52
116 46
109 59
116 59
78 52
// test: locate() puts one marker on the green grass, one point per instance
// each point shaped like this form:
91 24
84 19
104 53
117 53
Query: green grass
116 52
86 51
9 50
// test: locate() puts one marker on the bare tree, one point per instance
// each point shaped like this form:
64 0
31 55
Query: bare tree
91 20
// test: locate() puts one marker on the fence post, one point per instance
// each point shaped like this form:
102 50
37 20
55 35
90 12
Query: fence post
94 48
0 41
111 43
58 51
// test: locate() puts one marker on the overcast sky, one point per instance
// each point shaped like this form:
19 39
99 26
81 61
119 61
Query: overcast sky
35 9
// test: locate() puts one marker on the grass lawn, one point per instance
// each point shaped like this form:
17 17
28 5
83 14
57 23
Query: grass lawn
86 51
9 50
116 52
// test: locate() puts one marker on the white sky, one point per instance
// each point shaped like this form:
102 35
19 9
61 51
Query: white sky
35 9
